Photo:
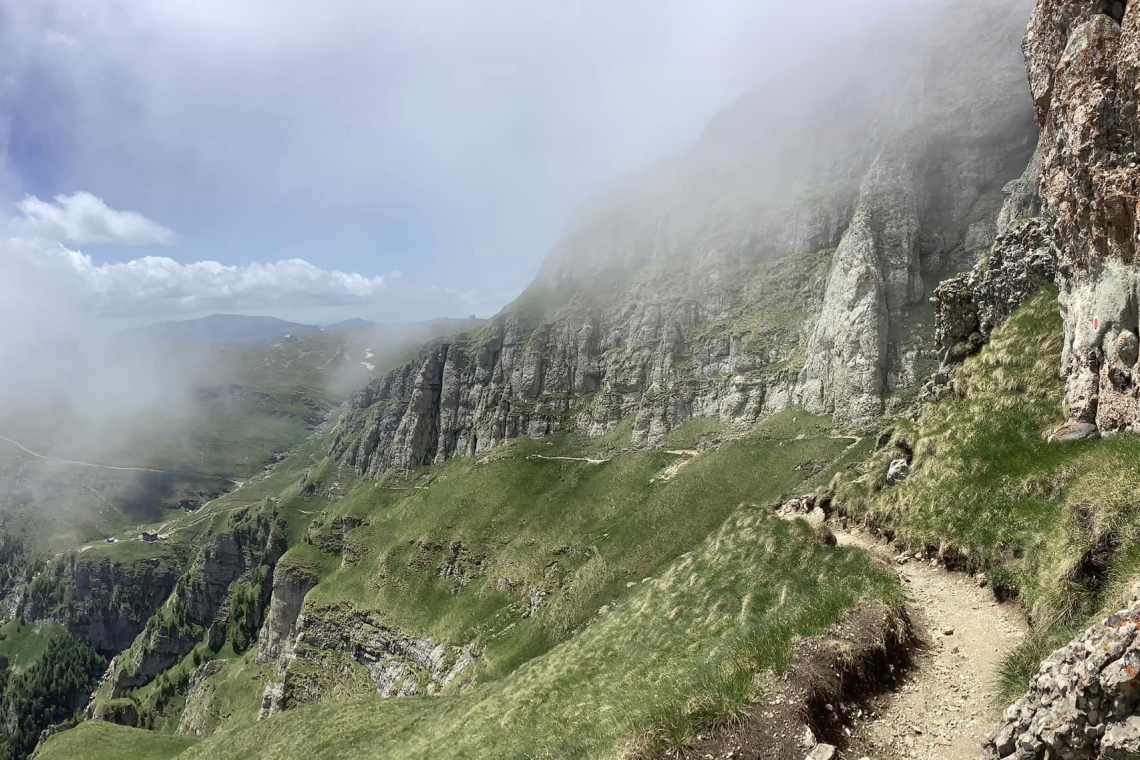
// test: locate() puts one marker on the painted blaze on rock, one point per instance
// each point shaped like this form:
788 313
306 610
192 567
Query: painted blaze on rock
1083 59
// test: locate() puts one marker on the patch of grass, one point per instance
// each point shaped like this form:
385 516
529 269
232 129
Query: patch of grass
666 660
24 643
96 740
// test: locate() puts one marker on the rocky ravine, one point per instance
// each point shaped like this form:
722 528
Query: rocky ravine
784 259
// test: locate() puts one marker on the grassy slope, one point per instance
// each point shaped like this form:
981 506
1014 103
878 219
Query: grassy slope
612 661
579 531
24 643
675 653
95 740
1054 523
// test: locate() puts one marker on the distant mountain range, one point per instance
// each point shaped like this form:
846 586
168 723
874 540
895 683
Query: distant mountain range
241 329
224 328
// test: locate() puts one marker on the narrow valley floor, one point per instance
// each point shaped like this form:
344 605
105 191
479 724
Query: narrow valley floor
942 707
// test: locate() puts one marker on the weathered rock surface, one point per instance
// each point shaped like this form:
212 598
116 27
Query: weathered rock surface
1083 701
1084 66
289 588
104 603
1074 431
400 665
195 715
120 711
664 300
806 507
199 599
898 471
397 664
970 306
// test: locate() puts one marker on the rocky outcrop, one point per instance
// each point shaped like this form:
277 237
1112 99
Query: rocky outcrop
876 272
776 262
397 664
289 588
196 608
196 715
1083 702
103 602
400 665
970 306
1083 59
122 712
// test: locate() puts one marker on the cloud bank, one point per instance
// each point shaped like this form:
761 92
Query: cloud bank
37 261
82 218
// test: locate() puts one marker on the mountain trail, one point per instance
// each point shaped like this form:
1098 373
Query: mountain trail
590 460
77 463
942 706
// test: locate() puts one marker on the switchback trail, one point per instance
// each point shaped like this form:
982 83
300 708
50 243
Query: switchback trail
76 463
942 707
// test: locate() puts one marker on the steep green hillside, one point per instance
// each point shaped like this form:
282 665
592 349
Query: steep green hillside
614 600
1054 523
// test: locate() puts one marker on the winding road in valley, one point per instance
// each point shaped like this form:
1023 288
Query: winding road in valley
77 463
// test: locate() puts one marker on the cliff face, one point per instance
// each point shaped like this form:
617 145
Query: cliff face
1084 59
197 607
776 262
102 602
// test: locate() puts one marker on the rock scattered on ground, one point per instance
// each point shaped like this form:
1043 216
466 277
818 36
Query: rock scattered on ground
940 708
1082 702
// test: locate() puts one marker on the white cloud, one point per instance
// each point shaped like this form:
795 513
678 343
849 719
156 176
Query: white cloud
83 218
37 264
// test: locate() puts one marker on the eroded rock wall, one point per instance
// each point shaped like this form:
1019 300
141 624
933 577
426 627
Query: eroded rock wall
1083 59
1082 704
784 259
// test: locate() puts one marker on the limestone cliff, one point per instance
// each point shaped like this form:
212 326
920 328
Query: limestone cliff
197 608
100 601
1084 68
778 261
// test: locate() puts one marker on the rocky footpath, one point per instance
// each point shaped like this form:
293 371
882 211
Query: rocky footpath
1083 60
779 261
1083 701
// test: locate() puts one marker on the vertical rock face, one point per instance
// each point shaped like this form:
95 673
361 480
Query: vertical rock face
778 261
876 271
289 589
104 603
1083 58
196 607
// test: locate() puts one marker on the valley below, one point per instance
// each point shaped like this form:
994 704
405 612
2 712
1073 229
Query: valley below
817 441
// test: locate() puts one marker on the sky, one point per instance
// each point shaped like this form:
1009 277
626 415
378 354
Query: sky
324 160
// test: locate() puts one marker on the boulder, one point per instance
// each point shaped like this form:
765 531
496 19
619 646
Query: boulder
822 752
898 471
1075 431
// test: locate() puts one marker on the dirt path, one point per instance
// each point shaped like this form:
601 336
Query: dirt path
942 707
568 459
76 463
